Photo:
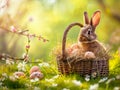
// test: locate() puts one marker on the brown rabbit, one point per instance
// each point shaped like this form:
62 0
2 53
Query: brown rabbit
88 46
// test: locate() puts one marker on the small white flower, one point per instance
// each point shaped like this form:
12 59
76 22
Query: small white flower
94 74
77 83
110 80
54 84
87 78
94 87
116 88
65 89
2 79
5 75
21 66
16 76
44 64
34 80
3 59
103 79
3 3
9 62
12 78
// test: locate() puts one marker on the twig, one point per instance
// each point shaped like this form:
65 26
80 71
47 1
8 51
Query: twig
23 33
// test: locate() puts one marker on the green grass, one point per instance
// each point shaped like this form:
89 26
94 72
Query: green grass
54 81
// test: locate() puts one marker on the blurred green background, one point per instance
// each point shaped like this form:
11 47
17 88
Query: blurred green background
49 18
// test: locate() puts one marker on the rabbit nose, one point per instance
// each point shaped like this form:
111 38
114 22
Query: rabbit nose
89 32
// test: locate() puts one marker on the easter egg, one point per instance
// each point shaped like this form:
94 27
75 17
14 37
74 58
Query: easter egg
89 55
34 69
36 75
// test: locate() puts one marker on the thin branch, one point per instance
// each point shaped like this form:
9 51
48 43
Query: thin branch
23 33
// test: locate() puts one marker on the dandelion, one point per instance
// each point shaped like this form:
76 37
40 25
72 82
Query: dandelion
44 64
94 87
34 80
87 78
21 66
77 83
103 79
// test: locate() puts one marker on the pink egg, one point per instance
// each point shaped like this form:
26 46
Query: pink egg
89 55
34 69
75 46
36 75
69 50
75 51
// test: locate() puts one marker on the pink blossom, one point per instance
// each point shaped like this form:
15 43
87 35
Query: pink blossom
27 46
13 29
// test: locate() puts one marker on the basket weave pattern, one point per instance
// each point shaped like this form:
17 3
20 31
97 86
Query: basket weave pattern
81 67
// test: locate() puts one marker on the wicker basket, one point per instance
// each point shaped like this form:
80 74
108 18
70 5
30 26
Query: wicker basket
81 67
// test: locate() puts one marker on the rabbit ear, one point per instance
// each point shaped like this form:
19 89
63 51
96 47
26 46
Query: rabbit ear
86 18
95 19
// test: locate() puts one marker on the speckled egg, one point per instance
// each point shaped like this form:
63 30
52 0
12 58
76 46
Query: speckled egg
89 55
36 75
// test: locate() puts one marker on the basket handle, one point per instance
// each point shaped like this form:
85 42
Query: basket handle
65 35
